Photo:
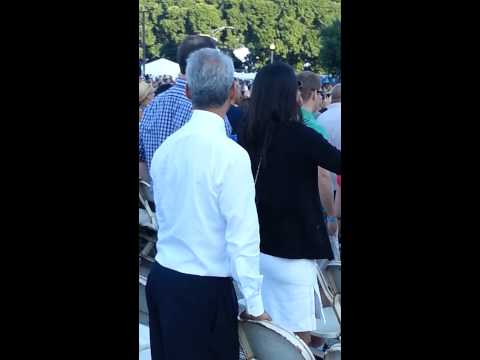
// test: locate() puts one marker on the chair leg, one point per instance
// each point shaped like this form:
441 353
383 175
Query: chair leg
147 249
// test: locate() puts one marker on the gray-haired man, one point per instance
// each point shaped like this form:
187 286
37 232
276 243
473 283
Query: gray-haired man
208 230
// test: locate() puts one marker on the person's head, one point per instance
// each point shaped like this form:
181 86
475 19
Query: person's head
273 101
337 93
245 91
146 93
210 83
189 45
311 90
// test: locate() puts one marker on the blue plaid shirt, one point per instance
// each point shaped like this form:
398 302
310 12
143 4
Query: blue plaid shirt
167 113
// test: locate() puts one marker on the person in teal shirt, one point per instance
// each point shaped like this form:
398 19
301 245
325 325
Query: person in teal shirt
312 100
311 122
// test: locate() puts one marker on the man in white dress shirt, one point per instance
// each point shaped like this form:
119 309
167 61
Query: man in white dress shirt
208 230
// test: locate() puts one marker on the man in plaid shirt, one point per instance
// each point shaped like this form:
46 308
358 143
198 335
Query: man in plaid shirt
170 110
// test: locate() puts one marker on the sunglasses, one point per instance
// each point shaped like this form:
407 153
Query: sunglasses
300 85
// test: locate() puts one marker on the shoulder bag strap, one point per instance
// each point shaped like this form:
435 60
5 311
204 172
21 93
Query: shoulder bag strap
258 170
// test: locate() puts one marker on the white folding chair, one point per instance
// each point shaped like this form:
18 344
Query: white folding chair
333 271
334 352
147 222
329 279
144 343
263 340
142 297
331 328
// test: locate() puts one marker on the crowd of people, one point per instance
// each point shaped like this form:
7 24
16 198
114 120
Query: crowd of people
246 185
158 80
150 86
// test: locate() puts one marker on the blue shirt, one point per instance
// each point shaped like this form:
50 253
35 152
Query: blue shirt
167 113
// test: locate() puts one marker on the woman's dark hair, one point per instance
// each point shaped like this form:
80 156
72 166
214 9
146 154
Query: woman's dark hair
273 101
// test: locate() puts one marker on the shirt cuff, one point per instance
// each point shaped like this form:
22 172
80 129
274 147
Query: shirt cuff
255 305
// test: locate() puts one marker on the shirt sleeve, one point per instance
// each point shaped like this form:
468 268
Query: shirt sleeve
141 149
318 128
322 152
147 115
228 125
237 205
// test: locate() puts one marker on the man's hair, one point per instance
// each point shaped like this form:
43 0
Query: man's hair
337 93
190 44
310 82
209 78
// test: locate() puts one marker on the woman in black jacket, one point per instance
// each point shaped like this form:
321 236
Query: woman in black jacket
285 155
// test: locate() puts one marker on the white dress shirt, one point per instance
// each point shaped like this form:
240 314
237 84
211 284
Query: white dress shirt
205 206
331 120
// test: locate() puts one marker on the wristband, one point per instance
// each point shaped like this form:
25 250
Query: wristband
331 219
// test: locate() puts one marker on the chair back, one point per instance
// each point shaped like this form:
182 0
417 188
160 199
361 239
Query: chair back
334 353
263 340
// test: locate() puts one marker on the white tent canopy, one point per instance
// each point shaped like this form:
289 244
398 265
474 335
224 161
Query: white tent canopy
241 53
245 76
162 67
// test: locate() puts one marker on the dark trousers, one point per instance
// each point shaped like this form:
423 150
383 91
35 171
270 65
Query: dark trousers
191 317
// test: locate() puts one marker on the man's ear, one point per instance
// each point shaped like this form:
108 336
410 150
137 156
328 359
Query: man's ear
299 99
188 93
232 92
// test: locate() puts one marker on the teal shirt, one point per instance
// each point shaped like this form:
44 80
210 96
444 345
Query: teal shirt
310 121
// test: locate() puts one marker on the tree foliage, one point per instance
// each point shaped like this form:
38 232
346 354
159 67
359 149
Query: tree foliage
302 30
330 53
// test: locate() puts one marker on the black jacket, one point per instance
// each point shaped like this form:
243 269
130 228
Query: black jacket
288 203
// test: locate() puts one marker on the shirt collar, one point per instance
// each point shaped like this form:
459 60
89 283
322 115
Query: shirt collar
180 83
208 121
307 114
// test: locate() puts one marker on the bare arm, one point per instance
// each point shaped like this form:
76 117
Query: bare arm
325 191
321 152
338 206
237 205
326 198
338 201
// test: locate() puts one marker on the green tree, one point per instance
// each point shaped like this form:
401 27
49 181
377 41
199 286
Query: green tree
330 54
152 10
298 28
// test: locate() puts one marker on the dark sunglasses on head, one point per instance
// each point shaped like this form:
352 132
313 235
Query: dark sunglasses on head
300 85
